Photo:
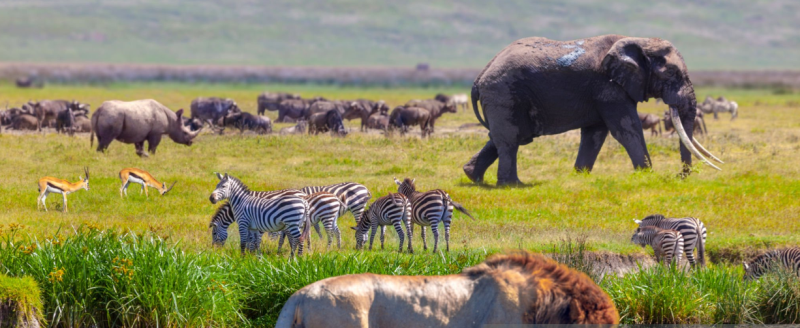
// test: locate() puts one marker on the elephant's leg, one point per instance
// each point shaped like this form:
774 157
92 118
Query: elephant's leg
592 139
507 166
152 143
140 149
477 165
625 126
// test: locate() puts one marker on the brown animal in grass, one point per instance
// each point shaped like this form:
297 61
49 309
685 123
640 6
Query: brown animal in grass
82 124
300 128
652 122
378 121
435 107
271 100
329 121
520 288
699 123
23 121
403 117
362 109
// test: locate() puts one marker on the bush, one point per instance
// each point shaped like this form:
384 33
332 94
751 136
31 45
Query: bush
20 301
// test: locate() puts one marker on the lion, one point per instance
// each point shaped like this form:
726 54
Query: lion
519 288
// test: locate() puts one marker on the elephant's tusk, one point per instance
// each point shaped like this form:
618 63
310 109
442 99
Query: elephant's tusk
685 138
705 151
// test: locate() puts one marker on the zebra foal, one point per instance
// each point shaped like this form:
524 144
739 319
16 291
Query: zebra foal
392 209
693 231
666 244
251 212
428 209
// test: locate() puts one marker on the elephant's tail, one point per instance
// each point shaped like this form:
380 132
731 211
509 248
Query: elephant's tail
91 133
475 96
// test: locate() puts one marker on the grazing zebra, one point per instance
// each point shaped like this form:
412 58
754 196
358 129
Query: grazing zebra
356 196
692 229
666 244
788 257
392 209
428 209
224 217
288 212
327 208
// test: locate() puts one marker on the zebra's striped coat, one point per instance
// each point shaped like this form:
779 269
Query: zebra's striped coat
789 258
356 196
666 244
428 209
251 212
693 231
392 209
327 208
224 217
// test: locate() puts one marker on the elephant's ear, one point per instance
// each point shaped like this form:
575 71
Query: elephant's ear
627 65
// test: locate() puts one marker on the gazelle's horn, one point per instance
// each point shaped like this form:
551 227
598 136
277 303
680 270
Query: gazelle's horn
676 121
86 170
170 188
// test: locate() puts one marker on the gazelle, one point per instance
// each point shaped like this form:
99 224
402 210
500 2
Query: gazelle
143 178
49 185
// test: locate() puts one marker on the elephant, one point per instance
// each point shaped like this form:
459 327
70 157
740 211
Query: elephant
136 122
435 107
271 100
211 110
402 117
652 122
536 86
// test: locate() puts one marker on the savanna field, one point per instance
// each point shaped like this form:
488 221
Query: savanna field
149 261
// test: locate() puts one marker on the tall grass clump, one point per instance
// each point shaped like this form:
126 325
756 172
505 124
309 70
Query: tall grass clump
730 298
105 278
659 295
778 297
576 255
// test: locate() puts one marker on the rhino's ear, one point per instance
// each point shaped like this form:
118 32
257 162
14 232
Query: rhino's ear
179 113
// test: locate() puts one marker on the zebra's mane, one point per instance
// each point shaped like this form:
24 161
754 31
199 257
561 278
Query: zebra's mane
410 183
239 184
218 214
654 217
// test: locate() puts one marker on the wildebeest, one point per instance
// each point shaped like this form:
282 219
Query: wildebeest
82 124
23 121
136 122
65 121
462 100
363 109
211 110
435 108
271 100
299 128
319 107
516 289
46 111
652 122
719 105
378 121
246 121
328 121
292 109
403 117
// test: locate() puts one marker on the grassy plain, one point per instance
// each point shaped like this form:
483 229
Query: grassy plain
751 204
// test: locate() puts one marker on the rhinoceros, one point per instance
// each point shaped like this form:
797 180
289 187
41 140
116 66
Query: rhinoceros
136 122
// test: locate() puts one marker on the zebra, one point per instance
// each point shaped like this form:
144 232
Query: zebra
788 257
392 209
223 218
327 208
289 212
693 231
666 244
356 196
428 209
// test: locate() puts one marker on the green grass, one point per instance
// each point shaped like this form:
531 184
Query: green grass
751 204
725 35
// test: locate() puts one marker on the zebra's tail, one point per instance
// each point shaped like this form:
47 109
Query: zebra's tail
701 244
342 204
460 207
305 234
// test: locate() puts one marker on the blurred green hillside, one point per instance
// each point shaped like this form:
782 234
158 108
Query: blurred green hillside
735 34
